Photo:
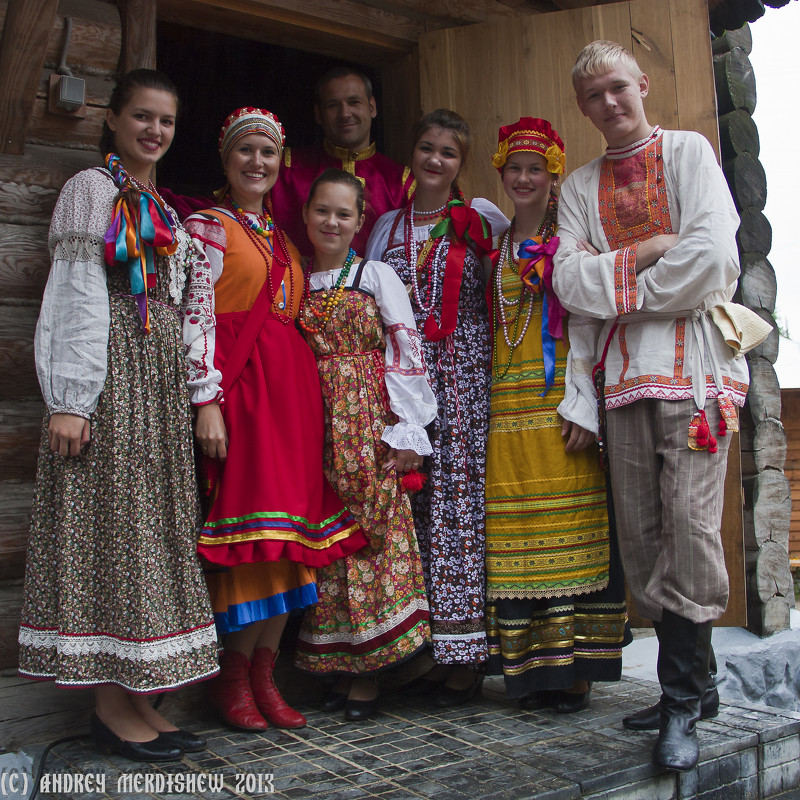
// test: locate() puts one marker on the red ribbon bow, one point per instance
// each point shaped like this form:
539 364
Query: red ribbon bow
469 224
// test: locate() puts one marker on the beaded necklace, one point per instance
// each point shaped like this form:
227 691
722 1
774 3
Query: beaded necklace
424 216
260 237
430 259
507 258
331 301
269 224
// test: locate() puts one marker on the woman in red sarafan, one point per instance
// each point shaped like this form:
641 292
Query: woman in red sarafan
273 518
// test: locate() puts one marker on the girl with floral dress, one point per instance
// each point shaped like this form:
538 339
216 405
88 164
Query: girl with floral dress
114 594
433 244
372 611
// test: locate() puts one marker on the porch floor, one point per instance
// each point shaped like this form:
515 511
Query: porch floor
411 750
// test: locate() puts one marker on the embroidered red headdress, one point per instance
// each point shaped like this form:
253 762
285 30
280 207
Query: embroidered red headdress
532 135
249 120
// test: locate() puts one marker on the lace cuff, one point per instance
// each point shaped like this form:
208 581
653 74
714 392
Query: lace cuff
407 436
76 412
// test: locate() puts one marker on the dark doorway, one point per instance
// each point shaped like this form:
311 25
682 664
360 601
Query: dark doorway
217 74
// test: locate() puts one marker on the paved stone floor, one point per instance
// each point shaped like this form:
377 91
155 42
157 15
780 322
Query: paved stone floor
487 749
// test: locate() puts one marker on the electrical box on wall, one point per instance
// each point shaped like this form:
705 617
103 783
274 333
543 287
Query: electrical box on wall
67 96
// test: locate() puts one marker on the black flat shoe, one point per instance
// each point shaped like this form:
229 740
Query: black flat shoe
536 701
186 740
569 702
422 685
360 710
447 697
335 701
106 741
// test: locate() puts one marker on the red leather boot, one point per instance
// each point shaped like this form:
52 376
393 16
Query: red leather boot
268 698
230 692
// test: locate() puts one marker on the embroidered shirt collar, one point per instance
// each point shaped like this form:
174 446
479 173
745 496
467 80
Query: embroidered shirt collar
345 155
635 147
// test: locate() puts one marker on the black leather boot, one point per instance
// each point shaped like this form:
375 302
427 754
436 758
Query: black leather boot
683 667
648 719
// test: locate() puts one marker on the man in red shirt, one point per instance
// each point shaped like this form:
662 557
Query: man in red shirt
344 108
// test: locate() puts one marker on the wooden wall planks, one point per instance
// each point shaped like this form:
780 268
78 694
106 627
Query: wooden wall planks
498 71
23 45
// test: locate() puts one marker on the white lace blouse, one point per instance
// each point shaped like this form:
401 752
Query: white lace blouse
72 332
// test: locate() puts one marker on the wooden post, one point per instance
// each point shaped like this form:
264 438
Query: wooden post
138 34
23 46
767 509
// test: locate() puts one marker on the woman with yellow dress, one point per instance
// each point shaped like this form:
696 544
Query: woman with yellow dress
555 596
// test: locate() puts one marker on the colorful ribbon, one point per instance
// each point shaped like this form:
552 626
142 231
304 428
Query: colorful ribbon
464 226
464 223
536 271
137 232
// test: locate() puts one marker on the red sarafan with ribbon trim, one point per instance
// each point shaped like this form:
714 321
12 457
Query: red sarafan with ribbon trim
464 226
140 229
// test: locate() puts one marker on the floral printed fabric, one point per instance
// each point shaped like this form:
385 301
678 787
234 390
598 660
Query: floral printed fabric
449 510
372 610
114 592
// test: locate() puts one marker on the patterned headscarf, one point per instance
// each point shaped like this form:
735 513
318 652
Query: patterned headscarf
249 120
532 135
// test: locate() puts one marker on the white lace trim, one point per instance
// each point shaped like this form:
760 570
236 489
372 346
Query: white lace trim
79 246
407 436
136 689
419 604
95 644
459 637
180 263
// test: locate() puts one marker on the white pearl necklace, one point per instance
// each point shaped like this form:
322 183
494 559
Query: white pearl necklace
436 270
507 257
428 213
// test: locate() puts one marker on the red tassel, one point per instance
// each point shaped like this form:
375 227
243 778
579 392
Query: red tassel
413 481
723 427
712 445
703 431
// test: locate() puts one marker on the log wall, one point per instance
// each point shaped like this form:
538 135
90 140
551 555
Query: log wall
56 147
790 400
767 502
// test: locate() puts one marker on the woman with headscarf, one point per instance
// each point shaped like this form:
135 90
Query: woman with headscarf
272 516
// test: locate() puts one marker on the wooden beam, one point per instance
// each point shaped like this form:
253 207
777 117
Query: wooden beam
568 5
15 520
327 28
17 326
138 19
447 13
22 51
532 6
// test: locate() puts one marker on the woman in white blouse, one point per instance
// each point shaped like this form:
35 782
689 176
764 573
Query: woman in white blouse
114 595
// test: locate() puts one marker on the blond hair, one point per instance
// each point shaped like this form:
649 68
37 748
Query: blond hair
602 56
